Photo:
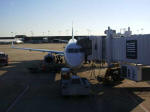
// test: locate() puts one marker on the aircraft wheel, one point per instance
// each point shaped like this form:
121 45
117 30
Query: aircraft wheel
59 59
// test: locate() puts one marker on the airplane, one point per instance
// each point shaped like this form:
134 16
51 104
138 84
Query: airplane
18 41
9 41
73 53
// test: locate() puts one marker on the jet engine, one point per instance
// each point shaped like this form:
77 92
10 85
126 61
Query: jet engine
49 58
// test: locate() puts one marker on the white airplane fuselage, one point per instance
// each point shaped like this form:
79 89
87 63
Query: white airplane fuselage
73 54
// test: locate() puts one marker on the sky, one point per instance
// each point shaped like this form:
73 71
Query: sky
89 17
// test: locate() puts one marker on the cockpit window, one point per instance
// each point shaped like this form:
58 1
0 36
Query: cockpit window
74 50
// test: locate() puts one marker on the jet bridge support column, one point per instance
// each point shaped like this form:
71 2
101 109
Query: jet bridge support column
109 48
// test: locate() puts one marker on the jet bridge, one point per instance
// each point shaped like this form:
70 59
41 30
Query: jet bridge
131 52
93 47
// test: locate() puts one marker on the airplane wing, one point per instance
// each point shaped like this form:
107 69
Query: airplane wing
40 50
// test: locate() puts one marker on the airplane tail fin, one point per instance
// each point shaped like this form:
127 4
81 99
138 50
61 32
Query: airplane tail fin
72 32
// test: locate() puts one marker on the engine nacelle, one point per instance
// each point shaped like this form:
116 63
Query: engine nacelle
49 58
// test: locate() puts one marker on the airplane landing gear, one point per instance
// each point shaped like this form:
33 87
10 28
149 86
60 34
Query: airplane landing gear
59 59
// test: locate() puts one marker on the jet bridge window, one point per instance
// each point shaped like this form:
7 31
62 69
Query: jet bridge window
74 50
131 49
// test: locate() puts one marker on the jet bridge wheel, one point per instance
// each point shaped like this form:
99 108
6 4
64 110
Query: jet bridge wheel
113 74
59 59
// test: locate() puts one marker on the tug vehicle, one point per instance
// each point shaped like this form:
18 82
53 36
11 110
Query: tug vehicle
72 84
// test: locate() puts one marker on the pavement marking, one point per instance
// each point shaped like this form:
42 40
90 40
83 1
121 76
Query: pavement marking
17 99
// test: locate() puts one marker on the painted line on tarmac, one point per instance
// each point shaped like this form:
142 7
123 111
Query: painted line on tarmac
17 99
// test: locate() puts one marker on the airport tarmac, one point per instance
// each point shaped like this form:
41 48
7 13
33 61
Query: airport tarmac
21 91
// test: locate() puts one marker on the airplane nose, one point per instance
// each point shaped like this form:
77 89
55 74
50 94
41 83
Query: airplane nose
73 55
75 60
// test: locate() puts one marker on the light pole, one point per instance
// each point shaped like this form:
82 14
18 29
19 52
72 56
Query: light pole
142 30
89 31
12 33
48 32
31 33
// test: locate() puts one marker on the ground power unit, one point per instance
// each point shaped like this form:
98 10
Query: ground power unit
135 72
